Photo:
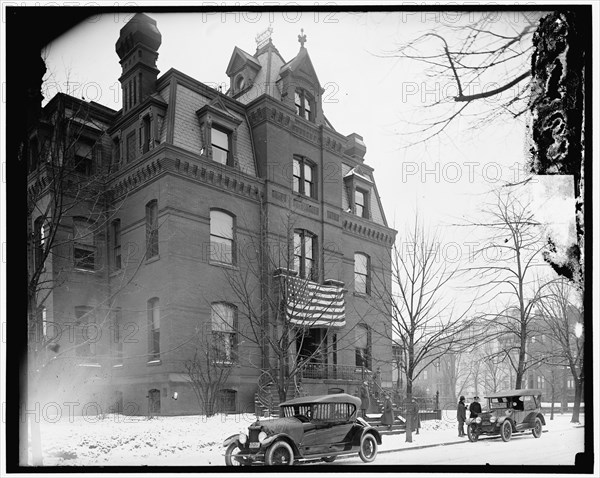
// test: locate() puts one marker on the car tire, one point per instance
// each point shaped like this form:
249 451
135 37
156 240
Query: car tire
279 453
329 459
537 429
472 434
506 431
368 448
231 450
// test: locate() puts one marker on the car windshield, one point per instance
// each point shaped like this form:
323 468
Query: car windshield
497 403
321 411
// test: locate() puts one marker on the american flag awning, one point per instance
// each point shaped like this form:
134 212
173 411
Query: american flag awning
313 305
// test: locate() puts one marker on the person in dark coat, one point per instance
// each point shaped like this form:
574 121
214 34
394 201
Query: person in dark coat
365 399
461 416
475 407
387 418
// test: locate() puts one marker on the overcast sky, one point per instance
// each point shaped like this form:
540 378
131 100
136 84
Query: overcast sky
365 92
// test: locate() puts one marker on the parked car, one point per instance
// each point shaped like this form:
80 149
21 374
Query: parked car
317 427
508 412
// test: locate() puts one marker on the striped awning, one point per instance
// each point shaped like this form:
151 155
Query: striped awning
314 305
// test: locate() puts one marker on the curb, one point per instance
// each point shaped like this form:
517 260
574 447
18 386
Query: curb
419 447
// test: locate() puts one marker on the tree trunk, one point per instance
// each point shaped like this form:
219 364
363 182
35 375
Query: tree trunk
577 402
409 417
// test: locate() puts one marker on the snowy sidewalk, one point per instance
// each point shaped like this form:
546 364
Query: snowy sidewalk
193 440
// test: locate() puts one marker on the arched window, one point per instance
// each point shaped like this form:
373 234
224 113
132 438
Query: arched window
362 276
224 336
222 237
305 253
153 329
152 229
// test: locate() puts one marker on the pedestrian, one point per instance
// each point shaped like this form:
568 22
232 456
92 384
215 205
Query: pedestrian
365 399
475 407
387 418
415 414
461 416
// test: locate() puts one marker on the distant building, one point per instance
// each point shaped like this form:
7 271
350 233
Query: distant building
178 191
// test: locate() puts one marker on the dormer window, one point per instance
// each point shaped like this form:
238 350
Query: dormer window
303 103
240 83
221 146
361 203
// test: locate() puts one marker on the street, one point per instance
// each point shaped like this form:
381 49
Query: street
553 448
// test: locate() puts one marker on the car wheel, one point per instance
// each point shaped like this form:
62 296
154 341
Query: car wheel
472 433
232 450
279 453
537 429
368 448
506 431
329 459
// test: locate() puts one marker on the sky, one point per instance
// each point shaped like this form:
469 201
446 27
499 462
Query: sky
367 91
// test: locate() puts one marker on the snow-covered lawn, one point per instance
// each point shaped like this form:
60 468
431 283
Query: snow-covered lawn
192 440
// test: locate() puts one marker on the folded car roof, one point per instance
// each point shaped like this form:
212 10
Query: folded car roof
333 398
514 392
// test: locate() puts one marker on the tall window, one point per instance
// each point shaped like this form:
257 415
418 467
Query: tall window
116 153
118 339
305 247
224 326
360 203
145 135
153 329
152 229
362 346
130 145
303 177
222 239
39 237
362 282
303 103
221 146
85 330
116 244
84 250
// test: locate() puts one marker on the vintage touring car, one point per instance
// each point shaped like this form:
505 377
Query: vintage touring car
508 412
310 428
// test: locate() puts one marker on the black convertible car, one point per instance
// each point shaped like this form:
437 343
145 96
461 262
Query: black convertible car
318 427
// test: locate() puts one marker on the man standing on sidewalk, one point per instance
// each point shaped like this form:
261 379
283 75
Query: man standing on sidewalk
461 416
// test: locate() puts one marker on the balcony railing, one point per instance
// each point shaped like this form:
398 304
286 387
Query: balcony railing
335 372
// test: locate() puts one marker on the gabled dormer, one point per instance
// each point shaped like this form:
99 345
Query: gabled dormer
300 86
242 71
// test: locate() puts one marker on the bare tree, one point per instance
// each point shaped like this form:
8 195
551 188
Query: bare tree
504 269
563 324
424 325
208 370
476 56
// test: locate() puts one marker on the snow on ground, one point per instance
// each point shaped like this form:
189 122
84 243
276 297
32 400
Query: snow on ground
193 440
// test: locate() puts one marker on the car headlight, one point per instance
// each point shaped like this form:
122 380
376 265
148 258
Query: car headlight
492 419
242 438
478 420
262 437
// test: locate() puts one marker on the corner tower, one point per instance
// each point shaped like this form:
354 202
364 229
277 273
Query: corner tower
137 48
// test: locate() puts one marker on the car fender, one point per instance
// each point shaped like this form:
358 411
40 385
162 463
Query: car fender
369 429
541 417
233 438
469 420
501 420
281 436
